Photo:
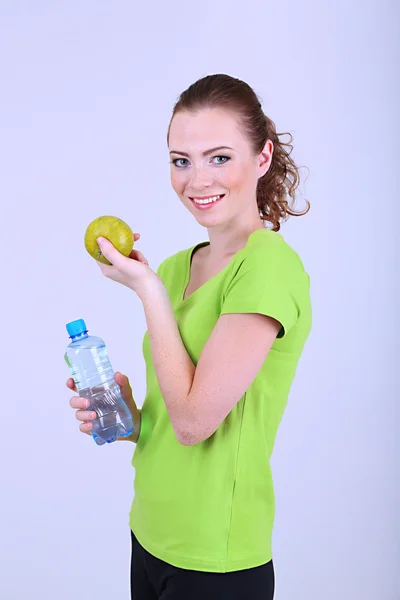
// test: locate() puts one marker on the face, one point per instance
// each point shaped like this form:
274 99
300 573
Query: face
213 168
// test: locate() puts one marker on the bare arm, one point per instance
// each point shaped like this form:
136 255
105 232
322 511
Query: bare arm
199 398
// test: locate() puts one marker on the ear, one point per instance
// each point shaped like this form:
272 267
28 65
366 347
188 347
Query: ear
265 158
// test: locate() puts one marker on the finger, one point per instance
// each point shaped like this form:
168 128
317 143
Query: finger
78 402
86 428
136 236
137 255
110 252
71 384
124 384
122 380
85 415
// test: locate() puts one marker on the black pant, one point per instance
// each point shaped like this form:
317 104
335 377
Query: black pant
154 579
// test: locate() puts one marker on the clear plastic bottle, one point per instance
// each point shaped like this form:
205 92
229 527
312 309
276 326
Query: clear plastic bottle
91 369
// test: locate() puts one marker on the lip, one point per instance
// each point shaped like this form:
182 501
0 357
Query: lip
205 197
206 206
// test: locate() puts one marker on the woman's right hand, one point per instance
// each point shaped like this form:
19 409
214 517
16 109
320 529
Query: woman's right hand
86 416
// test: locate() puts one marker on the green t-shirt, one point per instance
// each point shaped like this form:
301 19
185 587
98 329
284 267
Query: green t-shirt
210 507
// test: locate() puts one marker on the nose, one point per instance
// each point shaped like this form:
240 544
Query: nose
200 179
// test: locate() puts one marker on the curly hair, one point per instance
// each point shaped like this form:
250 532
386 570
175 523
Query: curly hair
276 189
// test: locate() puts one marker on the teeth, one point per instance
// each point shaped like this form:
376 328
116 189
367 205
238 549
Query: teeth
207 200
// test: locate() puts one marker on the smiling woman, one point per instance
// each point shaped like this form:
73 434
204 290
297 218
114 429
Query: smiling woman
231 110
227 320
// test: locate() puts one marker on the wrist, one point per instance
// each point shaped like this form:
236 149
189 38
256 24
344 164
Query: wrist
152 285
137 423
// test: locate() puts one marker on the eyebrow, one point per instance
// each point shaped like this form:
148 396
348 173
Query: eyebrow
204 153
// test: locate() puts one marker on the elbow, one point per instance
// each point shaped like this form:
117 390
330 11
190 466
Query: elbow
187 438
190 441
190 436
194 425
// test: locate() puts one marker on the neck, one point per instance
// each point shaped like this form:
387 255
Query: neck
226 240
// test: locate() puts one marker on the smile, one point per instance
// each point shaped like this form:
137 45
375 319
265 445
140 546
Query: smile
208 202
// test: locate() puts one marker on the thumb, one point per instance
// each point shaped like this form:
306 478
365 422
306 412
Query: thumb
123 382
108 250
120 379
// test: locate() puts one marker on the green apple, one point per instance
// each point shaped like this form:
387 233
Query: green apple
113 229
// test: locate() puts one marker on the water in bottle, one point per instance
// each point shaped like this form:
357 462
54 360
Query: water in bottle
91 369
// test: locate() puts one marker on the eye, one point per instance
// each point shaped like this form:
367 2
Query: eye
226 158
176 160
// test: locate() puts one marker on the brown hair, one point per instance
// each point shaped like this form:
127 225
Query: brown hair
282 178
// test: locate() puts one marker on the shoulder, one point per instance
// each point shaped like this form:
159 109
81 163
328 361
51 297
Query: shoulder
179 259
268 277
177 262
266 252
172 259
172 262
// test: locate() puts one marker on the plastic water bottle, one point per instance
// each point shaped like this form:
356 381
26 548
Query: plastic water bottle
91 369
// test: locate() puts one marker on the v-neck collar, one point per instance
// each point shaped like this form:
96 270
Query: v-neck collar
188 265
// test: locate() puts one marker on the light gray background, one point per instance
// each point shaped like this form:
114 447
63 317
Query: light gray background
87 90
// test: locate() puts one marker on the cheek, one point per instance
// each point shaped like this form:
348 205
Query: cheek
240 178
177 181
233 179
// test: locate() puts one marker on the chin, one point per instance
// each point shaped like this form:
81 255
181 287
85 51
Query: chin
207 217
211 221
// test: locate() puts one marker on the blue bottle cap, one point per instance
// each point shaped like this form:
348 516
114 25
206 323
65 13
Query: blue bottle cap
76 327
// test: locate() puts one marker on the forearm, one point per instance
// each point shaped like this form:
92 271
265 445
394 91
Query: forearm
174 367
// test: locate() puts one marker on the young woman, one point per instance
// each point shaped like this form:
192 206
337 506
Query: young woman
227 320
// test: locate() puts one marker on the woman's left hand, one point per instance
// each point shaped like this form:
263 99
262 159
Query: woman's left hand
133 271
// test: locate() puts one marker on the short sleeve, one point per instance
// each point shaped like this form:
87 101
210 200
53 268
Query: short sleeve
269 280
